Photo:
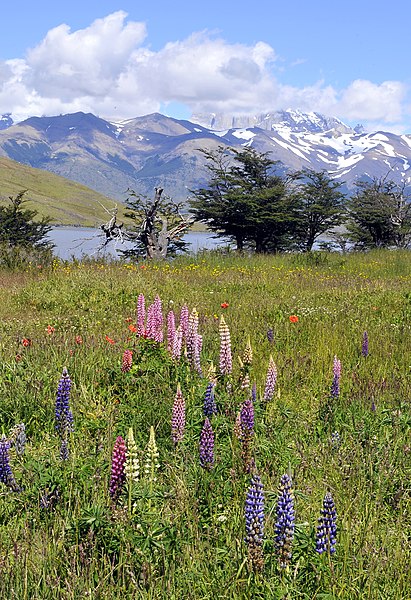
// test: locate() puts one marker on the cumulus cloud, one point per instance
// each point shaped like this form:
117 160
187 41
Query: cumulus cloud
109 69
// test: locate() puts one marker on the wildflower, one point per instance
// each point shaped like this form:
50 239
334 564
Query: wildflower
118 475
254 392
191 339
335 440
293 318
178 418
197 353
284 526
177 343
132 464
18 357
17 438
126 361
247 432
50 330
184 316
270 336
209 406
171 330
247 357
26 342
364 348
132 328
335 387
207 445
326 537
154 329
78 339
226 362
63 414
271 380
254 523
109 340
224 305
6 473
141 315
151 461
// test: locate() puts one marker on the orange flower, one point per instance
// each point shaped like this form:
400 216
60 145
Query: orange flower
143 267
224 305
132 328
50 329
26 342
78 339
109 340
293 319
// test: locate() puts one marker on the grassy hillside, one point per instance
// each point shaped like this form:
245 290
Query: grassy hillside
65 201
333 413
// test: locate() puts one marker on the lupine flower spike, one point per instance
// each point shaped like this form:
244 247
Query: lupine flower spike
247 432
17 438
63 414
177 344
335 388
118 475
270 381
178 418
226 362
6 473
184 316
171 330
209 407
191 341
141 315
284 526
364 348
207 445
151 463
326 537
254 524
126 361
131 466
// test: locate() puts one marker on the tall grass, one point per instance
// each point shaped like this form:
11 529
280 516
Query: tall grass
180 531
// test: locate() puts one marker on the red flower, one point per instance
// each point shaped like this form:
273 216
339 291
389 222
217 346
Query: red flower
26 342
132 328
293 319
50 329
224 305
109 340
143 267
78 339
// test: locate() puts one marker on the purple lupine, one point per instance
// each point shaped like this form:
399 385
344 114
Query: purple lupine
254 392
171 330
207 445
270 335
270 381
184 316
63 414
141 315
177 343
118 475
226 362
209 406
6 473
178 417
247 432
284 526
254 523
364 347
335 387
326 537
126 361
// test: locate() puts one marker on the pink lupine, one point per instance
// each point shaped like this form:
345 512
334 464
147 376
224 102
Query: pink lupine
270 381
178 417
171 330
184 316
127 361
158 312
118 461
177 343
141 315
226 361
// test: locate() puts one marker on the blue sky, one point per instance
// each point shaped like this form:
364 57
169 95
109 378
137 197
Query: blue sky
124 59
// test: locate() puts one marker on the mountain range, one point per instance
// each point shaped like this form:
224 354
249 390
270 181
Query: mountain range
156 150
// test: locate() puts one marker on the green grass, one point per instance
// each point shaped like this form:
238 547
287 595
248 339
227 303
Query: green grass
185 536
64 201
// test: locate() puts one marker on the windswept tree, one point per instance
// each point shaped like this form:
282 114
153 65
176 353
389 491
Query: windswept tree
380 215
21 227
321 206
245 200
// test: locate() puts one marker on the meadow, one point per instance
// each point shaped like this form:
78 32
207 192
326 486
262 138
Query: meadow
308 360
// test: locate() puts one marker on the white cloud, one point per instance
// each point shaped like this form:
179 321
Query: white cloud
108 69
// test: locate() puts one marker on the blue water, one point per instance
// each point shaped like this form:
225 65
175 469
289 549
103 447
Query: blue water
78 242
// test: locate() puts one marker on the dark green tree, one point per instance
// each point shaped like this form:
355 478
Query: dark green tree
19 226
246 200
321 206
379 215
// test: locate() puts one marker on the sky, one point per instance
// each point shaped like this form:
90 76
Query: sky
122 59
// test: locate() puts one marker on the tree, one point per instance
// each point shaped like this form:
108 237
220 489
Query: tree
245 200
380 215
159 227
321 206
18 227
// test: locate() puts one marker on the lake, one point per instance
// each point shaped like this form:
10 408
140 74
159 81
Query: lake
77 242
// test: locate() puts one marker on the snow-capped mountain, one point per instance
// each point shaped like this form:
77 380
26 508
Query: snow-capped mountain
155 150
